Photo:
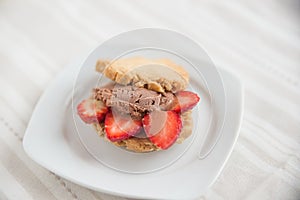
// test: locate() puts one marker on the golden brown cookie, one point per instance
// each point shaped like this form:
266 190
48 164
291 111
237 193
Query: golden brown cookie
160 75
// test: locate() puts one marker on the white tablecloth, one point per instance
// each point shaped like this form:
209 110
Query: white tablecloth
258 40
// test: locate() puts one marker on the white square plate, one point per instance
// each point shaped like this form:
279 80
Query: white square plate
51 140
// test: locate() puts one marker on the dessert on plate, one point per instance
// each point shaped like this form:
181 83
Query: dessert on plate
145 107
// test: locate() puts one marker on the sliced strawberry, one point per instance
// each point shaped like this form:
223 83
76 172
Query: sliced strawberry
91 111
162 127
186 100
118 127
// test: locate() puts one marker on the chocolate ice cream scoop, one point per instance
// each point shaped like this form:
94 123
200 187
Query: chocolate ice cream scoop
133 100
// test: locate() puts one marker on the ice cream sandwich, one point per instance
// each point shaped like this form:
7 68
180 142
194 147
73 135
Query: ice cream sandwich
146 107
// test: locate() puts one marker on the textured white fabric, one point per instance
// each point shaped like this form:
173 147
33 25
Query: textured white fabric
258 40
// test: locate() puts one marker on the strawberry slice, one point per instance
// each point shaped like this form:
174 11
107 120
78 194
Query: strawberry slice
186 100
91 111
162 127
119 127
